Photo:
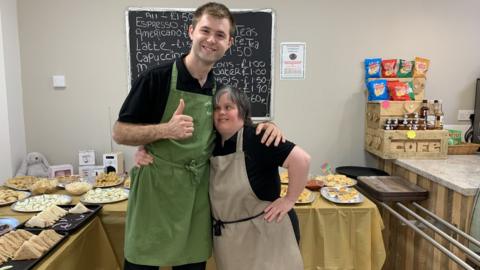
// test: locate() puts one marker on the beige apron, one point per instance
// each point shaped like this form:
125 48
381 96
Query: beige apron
250 243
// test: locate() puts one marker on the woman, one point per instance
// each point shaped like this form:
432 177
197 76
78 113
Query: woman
250 231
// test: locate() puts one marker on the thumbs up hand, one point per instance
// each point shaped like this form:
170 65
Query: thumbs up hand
180 126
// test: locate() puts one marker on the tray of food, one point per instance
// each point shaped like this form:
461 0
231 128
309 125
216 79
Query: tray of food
62 181
105 195
21 182
284 177
7 224
127 182
63 218
23 249
105 180
43 186
40 202
305 197
337 180
342 195
78 188
8 196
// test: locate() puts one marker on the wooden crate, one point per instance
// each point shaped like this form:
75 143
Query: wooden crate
393 144
376 114
418 85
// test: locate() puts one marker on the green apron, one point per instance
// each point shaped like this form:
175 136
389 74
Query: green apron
168 216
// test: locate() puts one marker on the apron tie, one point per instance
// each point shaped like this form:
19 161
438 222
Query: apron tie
218 224
193 167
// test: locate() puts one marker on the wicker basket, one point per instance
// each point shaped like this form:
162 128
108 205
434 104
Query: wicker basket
463 149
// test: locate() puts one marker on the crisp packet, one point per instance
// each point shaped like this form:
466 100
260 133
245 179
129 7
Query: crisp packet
421 67
389 68
400 90
405 69
377 90
372 67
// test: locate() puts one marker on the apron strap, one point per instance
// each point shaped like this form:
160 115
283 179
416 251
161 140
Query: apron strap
218 224
240 140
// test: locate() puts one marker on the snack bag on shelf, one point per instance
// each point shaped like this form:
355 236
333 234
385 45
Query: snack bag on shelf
372 67
377 90
405 69
421 67
400 90
389 68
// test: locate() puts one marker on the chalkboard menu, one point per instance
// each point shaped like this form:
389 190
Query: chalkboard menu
156 36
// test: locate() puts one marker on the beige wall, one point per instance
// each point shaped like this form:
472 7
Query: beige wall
85 41
12 128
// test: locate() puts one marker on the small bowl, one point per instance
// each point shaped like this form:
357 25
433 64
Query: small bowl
314 184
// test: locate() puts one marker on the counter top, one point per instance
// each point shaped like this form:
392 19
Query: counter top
458 172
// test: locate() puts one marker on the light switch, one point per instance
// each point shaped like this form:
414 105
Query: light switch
59 81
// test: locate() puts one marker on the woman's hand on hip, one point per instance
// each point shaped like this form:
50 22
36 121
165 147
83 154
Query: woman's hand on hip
278 209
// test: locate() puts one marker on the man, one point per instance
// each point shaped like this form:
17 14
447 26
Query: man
169 110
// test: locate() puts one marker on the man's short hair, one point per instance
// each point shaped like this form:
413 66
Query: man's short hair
216 10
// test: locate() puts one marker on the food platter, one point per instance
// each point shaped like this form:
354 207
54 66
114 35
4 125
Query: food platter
6 192
40 202
337 180
65 180
30 264
21 183
105 195
343 195
305 197
108 180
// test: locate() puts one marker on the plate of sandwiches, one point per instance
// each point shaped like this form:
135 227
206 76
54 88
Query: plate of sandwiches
22 249
67 218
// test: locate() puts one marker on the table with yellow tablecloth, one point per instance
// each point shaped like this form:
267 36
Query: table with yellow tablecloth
332 237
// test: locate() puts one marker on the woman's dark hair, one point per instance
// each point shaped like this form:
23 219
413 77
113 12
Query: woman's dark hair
238 98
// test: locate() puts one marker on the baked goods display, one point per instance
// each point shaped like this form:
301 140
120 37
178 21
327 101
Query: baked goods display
20 182
47 217
108 180
305 197
337 180
78 188
24 245
341 195
43 185
64 180
8 196
40 202
105 195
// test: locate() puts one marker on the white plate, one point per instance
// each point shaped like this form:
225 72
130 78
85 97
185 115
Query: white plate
354 182
40 202
15 188
9 223
324 191
26 193
101 195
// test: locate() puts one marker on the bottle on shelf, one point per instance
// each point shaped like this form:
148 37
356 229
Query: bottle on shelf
430 120
424 109
437 108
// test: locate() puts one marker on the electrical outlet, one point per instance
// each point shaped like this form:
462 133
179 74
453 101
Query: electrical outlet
464 115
